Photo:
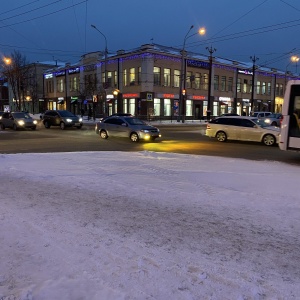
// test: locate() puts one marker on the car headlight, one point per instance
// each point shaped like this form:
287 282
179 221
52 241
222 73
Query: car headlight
69 120
21 122
268 121
35 122
80 119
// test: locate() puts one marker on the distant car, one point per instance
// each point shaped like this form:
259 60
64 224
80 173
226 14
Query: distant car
61 118
126 126
260 114
242 129
229 115
17 120
273 119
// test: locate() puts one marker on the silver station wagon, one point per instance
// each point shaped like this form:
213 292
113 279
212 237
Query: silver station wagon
126 126
242 129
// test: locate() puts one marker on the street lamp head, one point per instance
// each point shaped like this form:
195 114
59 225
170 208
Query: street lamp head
202 31
295 58
93 26
7 60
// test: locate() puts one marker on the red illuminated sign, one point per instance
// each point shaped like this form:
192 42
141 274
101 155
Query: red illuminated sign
198 97
130 95
168 96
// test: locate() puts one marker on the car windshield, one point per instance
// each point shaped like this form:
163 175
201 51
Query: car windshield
134 121
260 122
21 115
66 113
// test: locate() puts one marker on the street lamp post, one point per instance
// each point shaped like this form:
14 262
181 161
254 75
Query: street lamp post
105 68
182 83
254 59
209 106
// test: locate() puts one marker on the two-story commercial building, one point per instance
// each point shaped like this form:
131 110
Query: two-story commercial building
146 82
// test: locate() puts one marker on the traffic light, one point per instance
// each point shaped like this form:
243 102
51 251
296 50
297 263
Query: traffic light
183 92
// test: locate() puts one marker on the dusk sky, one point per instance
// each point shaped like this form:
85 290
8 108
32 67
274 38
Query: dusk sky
46 30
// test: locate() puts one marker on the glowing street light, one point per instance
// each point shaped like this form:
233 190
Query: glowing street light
7 60
182 89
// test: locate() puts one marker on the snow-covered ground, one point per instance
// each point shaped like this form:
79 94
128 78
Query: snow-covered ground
146 225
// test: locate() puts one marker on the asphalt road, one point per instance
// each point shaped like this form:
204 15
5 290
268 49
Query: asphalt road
177 138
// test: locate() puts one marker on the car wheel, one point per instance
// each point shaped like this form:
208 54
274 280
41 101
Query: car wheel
79 127
134 137
62 126
221 136
2 126
103 134
47 125
269 140
15 127
33 128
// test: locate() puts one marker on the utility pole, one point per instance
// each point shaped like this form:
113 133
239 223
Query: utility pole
254 59
209 106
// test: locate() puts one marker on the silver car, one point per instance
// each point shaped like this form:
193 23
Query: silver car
126 126
242 129
17 120
273 119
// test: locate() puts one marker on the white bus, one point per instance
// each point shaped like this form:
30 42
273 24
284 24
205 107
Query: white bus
289 138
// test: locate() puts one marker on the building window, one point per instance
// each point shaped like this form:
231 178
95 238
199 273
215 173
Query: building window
258 87
280 89
269 88
109 80
115 79
139 75
223 83
245 84
132 106
132 76
238 85
277 89
167 77
156 73
188 80
216 82
197 80
60 85
230 84
263 88
74 84
167 107
125 110
189 108
125 77
156 107
49 86
176 78
205 82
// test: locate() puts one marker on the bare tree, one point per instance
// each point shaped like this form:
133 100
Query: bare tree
15 70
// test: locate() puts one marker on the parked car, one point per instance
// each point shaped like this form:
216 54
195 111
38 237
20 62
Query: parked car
17 120
260 114
273 119
229 115
61 118
126 126
242 129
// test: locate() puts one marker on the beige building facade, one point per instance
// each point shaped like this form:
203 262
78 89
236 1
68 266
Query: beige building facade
146 83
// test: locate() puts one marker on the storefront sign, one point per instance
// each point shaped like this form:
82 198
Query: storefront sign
135 95
169 96
74 70
60 73
246 72
198 97
48 76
